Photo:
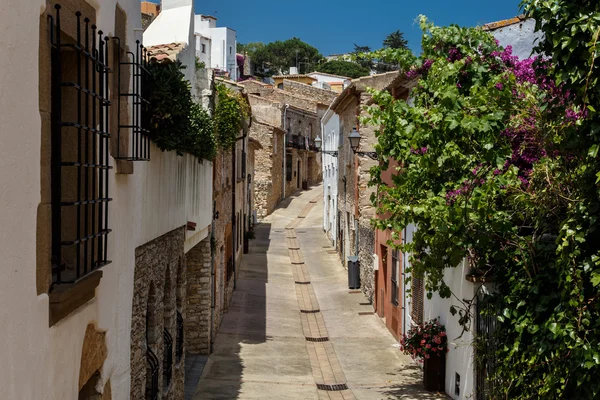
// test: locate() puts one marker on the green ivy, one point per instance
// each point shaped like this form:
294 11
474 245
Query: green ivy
231 111
177 122
497 165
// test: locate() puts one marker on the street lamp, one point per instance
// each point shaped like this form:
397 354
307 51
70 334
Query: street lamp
354 138
319 143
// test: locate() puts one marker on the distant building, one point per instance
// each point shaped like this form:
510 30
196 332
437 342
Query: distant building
302 78
337 83
216 46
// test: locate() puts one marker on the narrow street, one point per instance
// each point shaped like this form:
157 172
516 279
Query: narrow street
295 331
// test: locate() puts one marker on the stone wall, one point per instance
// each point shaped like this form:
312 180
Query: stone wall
159 290
266 111
267 168
222 196
320 95
366 249
284 97
198 300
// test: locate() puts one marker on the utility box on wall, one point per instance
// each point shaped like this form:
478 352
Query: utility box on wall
353 272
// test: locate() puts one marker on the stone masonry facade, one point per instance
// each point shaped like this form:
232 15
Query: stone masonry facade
159 293
198 300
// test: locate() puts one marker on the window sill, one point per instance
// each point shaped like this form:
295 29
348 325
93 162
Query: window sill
68 297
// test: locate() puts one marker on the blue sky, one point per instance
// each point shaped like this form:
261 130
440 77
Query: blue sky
334 26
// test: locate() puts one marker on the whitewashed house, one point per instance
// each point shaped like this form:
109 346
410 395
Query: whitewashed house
94 216
330 127
216 46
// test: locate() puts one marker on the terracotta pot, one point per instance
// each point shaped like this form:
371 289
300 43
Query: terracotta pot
434 373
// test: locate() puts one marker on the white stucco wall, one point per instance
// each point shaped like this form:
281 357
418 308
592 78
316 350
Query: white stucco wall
330 128
327 78
520 36
460 356
39 362
222 47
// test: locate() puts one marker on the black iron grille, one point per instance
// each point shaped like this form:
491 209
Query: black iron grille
133 130
79 149
152 377
167 358
317 339
332 388
310 311
179 344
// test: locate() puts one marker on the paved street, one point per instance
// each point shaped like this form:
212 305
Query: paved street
295 331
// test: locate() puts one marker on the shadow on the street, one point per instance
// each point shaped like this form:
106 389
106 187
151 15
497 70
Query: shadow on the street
244 323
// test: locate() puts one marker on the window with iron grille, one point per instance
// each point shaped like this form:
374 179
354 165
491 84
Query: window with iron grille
167 358
417 293
394 275
79 148
179 338
133 143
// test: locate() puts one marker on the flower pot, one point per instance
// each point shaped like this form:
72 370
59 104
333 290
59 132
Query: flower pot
434 373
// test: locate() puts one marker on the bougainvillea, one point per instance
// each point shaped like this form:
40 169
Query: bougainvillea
425 340
492 170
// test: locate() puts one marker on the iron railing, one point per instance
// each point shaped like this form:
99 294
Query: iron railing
300 142
152 378
179 343
79 149
167 358
136 145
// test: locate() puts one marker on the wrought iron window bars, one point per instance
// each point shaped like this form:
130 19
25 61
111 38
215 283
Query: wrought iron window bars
152 379
138 142
179 343
79 149
167 358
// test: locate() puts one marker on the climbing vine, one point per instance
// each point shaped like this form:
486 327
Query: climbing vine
178 123
498 166
231 111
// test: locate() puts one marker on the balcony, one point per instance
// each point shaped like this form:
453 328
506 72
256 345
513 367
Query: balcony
300 142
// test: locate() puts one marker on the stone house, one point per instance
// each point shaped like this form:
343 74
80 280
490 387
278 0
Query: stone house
286 123
100 226
355 234
302 78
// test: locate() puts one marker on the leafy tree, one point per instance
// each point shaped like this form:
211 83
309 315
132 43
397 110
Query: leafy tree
395 40
359 54
344 68
249 48
277 57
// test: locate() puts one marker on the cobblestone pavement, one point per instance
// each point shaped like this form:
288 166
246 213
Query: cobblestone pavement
295 331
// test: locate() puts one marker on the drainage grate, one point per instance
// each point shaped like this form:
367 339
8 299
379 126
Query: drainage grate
302 283
354 291
278 231
366 313
300 231
310 311
317 339
332 388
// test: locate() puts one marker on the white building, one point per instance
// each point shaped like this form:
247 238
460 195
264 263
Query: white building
216 46
67 316
330 128
331 81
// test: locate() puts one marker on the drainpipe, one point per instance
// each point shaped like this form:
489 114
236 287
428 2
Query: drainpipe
283 180
212 278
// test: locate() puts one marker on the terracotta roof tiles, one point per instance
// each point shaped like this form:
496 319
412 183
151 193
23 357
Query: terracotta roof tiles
504 23
165 53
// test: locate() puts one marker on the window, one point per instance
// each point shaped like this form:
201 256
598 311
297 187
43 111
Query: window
417 299
394 275
204 48
79 148
280 86
230 50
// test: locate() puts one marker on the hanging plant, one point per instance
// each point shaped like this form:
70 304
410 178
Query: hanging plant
230 112
177 122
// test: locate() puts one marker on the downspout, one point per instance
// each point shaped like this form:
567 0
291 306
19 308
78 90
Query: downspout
284 176
212 278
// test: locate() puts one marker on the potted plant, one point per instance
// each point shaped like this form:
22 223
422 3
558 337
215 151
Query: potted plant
249 236
428 343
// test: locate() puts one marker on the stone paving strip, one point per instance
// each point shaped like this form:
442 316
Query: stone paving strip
327 370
